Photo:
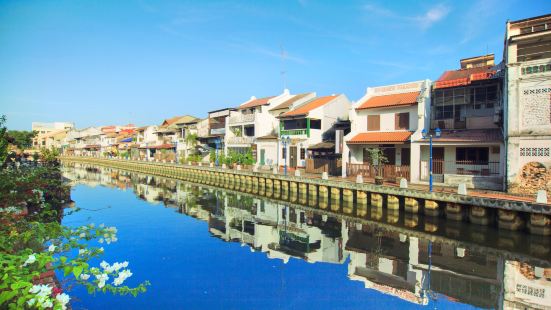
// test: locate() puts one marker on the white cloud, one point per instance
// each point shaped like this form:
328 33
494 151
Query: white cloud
423 21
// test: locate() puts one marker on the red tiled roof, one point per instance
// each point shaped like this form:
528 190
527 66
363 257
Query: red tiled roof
92 146
377 137
170 121
255 102
390 101
163 146
310 105
470 136
464 77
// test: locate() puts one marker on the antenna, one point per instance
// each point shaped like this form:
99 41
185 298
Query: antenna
283 72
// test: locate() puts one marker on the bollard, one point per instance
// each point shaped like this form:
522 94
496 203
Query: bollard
541 196
297 173
462 189
359 179
403 183
324 176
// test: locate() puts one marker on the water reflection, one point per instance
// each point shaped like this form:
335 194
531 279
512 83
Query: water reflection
409 257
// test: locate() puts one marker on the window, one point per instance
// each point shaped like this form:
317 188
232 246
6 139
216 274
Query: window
534 50
472 154
302 153
401 121
315 124
373 122
484 97
444 112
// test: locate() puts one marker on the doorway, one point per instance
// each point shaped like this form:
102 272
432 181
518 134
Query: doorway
293 157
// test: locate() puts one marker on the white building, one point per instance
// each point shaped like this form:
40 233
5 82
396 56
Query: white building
527 55
388 118
307 124
250 121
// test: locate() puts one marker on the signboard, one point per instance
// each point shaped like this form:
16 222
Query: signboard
218 131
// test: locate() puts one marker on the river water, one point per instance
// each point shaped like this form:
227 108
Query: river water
207 248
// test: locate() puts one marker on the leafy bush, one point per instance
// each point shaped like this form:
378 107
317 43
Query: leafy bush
33 241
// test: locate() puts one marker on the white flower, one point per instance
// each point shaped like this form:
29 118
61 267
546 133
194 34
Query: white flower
104 265
41 290
100 249
31 302
84 276
101 225
82 251
100 240
102 278
47 304
30 260
51 248
63 300
82 235
123 275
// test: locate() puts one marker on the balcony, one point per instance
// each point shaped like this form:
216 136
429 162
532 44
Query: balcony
240 140
217 131
294 132
241 118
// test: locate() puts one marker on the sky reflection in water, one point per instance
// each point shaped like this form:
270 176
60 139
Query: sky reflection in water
279 257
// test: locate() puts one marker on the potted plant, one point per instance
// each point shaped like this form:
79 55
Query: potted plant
377 159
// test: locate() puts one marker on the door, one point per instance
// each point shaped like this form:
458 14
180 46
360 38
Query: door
293 157
262 156
437 160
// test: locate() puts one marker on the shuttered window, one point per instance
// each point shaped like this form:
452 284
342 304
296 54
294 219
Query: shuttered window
401 121
373 122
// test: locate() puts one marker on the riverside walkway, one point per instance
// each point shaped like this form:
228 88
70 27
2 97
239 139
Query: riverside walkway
485 208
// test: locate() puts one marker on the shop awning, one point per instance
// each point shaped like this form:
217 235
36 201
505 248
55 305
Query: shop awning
392 137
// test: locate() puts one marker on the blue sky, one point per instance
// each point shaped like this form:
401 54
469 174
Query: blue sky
114 62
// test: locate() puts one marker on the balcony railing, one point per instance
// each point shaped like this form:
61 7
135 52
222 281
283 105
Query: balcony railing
460 167
294 132
242 118
240 140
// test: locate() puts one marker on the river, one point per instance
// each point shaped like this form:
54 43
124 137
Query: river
203 247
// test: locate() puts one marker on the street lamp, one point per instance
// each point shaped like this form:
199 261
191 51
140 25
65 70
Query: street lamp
285 140
427 135
217 143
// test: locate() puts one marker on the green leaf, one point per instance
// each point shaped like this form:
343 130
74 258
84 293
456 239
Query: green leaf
77 270
6 296
67 270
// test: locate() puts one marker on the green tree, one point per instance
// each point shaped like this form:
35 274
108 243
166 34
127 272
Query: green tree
3 141
21 138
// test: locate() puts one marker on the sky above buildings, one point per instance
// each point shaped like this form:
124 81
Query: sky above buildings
115 62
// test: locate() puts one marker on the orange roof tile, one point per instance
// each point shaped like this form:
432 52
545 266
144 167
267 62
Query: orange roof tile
310 105
464 77
255 102
392 137
390 101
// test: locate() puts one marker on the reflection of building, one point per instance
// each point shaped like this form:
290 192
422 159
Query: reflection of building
526 286
386 261
391 260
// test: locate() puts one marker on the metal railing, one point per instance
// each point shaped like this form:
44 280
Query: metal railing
294 132
240 140
460 167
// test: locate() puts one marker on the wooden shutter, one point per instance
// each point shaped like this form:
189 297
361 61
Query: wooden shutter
373 122
401 121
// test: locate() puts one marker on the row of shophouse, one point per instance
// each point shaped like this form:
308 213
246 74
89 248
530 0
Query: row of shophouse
490 125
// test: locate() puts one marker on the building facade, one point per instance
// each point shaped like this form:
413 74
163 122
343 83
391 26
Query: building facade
527 55
388 118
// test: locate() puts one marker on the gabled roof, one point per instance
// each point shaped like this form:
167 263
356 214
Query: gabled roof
255 102
377 137
310 105
289 102
462 77
177 119
392 100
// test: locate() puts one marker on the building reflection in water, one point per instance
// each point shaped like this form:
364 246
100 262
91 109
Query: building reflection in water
462 263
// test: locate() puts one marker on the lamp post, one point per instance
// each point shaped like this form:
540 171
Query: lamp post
427 135
285 140
217 143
